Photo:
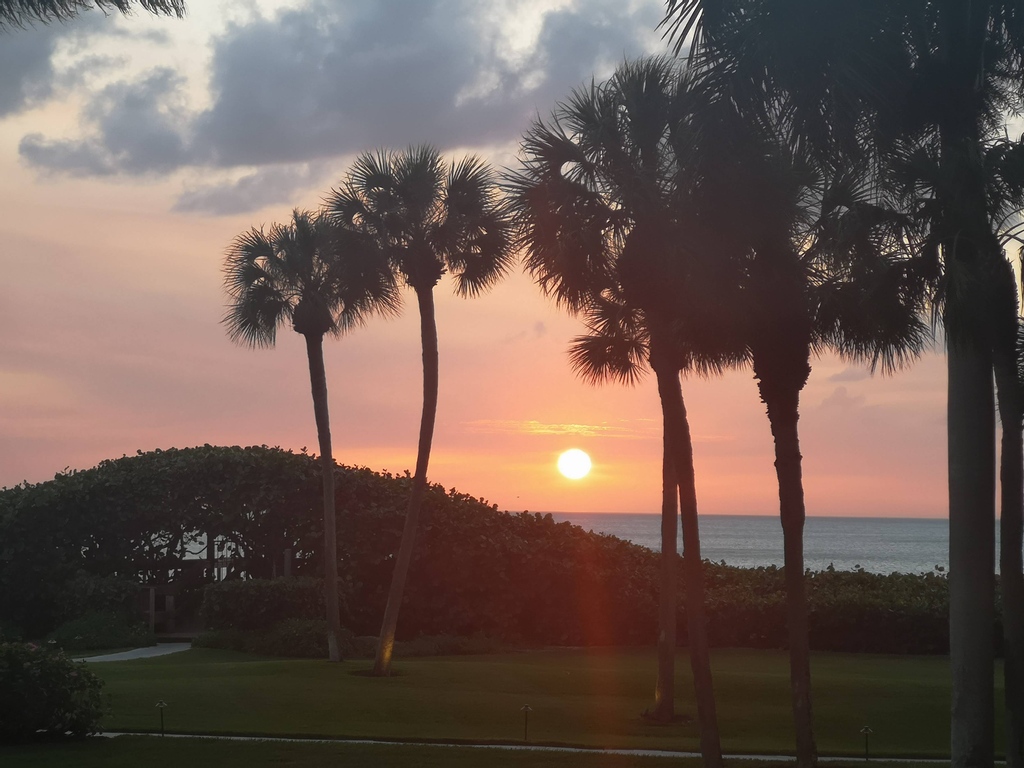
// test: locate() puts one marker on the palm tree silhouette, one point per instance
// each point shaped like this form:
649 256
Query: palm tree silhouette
884 78
599 201
428 218
20 12
323 280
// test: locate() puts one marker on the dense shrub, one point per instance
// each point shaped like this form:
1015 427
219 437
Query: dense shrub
86 593
45 695
300 638
292 638
102 630
223 639
261 603
518 578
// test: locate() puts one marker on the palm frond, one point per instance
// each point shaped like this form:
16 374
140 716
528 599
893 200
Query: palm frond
616 346
306 273
252 319
18 13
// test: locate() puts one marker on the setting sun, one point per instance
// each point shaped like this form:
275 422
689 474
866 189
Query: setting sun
574 464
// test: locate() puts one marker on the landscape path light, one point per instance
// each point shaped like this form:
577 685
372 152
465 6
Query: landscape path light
866 730
161 705
527 709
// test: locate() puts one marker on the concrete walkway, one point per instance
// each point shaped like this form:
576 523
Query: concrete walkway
160 649
525 748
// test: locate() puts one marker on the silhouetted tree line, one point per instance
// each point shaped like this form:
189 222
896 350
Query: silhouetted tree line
520 578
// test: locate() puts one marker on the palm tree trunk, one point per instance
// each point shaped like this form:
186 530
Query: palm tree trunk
318 383
783 415
665 689
1011 566
428 334
677 428
970 253
971 427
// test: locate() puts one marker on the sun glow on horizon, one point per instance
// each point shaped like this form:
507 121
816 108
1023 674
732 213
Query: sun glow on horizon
574 464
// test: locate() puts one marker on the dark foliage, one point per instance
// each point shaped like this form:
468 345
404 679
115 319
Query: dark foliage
21 12
103 629
45 695
290 638
261 603
516 578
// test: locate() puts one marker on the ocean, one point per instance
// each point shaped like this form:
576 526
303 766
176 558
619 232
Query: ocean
878 545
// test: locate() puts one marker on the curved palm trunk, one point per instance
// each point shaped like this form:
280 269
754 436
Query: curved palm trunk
318 383
783 415
1011 566
677 433
665 688
428 334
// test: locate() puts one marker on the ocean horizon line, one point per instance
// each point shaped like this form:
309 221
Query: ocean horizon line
845 542
743 514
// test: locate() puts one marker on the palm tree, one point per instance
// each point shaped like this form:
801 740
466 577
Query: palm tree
880 76
20 12
324 281
1010 395
429 218
598 200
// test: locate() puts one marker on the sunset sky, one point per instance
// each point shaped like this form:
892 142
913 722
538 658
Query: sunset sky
133 150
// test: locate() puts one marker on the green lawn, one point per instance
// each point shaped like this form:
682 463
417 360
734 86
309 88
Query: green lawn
153 752
591 698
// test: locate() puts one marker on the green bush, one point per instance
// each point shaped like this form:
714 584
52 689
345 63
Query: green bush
87 593
300 638
292 638
102 629
256 604
222 639
45 695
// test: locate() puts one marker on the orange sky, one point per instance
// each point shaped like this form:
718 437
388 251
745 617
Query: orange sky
110 303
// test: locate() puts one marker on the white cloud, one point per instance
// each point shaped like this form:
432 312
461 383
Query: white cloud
331 79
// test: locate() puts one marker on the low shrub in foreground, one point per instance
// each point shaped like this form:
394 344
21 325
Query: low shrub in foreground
44 694
102 630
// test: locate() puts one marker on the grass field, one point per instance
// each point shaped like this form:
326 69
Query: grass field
153 752
582 697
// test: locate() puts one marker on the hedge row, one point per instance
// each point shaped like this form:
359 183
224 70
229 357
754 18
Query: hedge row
856 612
78 544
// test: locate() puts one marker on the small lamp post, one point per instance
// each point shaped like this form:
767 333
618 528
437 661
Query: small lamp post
161 705
527 709
866 730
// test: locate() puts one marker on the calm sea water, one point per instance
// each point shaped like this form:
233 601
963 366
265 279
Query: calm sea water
879 545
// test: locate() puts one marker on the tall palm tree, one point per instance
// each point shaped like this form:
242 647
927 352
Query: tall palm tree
876 76
323 281
20 12
1010 395
598 199
428 217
